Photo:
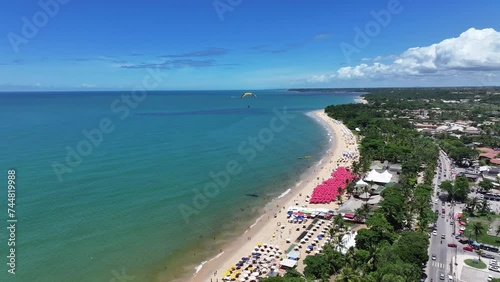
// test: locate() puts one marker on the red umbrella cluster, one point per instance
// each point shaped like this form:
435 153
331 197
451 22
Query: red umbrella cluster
327 191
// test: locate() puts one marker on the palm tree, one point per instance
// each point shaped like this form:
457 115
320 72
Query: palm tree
338 222
350 188
372 262
471 205
347 274
339 199
477 229
479 253
367 189
363 211
484 206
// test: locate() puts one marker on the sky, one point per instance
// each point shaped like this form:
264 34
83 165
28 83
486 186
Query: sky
248 44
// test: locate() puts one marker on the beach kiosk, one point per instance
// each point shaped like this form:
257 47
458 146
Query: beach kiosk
288 263
293 255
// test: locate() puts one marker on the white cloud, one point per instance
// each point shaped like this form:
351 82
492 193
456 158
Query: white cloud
473 52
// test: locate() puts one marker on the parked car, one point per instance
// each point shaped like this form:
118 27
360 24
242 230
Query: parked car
452 245
433 256
442 236
486 255
435 233
468 248
443 211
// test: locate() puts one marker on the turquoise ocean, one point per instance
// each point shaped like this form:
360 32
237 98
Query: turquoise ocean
129 203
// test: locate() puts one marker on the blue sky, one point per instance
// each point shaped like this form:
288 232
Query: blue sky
248 44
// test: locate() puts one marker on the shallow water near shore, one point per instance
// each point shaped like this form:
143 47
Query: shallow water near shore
121 209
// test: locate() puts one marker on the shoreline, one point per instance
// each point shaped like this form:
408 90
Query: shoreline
273 229
360 100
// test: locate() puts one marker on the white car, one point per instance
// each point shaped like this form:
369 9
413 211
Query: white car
435 233
493 262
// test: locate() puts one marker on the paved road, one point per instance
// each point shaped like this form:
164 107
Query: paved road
443 263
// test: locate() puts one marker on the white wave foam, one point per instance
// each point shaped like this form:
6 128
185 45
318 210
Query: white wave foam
298 184
284 193
256 221
198 268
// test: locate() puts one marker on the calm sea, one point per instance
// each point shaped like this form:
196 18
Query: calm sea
114 190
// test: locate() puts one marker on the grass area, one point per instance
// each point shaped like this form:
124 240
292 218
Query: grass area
475 263
483 238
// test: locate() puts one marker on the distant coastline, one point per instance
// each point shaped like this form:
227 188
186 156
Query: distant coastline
355 91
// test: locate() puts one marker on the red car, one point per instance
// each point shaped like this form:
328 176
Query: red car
468 248
452 245
443 211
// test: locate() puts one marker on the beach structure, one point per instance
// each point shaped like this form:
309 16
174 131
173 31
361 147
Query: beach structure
378 177
288 263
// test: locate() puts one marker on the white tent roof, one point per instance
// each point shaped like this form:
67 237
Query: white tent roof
361 183
288 263
384 177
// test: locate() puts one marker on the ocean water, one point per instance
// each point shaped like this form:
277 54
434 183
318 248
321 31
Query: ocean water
157 187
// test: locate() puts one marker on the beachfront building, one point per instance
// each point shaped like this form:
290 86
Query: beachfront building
378 177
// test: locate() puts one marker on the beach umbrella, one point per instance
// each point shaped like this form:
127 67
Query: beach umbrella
288 240
310 247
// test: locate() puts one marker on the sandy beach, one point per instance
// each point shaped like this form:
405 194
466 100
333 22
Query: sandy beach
272 227
360 100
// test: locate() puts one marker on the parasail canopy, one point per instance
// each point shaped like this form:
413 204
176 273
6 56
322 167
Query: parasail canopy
248 94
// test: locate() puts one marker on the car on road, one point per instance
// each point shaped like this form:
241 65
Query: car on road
433 256
435 233
442 216
443 211
486 255
493 262
452 245
437 211
468 248
493 268
441 276
442 236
